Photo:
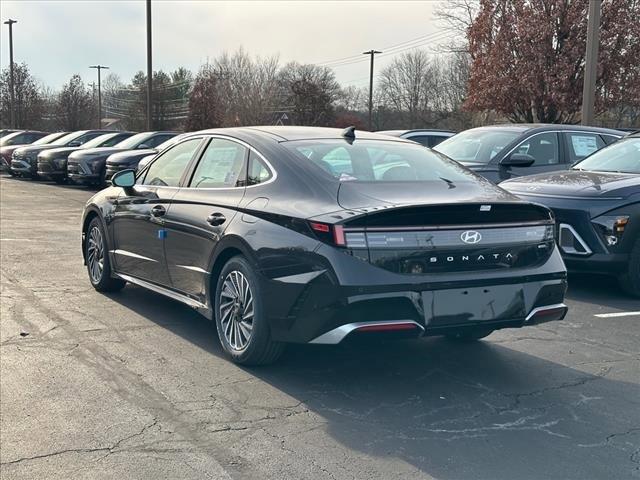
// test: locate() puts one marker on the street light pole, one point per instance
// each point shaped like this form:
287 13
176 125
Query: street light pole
10 22
99 68
591 63
372 53
149 69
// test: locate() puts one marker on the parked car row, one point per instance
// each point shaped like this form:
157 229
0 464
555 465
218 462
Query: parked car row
80 156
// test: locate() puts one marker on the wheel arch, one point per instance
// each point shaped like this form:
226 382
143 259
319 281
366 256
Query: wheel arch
228 247
89 215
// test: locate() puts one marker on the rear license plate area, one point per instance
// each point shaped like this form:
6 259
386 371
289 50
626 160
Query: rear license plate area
470 306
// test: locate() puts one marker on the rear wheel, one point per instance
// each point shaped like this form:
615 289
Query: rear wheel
469 336
242 326
97 258
59 180
630 281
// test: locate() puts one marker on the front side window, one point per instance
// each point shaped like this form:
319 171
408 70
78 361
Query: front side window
167 169
542 147
221 165
378 161
581 145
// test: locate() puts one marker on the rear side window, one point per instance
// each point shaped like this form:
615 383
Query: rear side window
581 145
221 165
257 170
609 139
168 168
542 147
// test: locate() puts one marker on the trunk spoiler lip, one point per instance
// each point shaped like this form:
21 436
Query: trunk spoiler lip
344 215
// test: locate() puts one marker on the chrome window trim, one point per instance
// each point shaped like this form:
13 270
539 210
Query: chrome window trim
576 235
274 173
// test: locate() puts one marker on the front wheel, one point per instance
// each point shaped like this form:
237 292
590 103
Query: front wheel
97 259
469 336
241 322
630 281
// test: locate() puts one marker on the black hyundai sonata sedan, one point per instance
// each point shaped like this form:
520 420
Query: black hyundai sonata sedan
597 204
301 234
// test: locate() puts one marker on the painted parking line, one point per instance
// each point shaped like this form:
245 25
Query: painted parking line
617 314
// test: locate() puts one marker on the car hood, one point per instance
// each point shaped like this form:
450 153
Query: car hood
355 195
97 152
35 148
7 149
59 152
129 156
576 183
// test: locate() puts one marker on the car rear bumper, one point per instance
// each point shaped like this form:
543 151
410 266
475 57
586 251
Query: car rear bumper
319 308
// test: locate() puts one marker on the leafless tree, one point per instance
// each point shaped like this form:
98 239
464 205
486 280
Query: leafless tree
248 88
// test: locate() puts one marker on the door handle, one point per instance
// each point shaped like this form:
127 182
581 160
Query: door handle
158 211
216 219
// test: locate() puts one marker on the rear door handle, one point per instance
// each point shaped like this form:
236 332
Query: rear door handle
216 219
158 211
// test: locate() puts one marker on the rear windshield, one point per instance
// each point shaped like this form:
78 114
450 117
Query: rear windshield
378 161
476 145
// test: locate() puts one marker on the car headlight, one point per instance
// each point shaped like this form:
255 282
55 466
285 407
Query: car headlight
611 227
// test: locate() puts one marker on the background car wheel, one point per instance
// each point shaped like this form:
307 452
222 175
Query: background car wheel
630 281
242 326
60 180
98 266
469 336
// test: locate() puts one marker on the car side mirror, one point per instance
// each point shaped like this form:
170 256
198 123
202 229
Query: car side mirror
143 146
518 160
75 143
124 178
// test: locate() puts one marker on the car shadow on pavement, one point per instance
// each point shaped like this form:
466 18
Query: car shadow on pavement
479 410
601 290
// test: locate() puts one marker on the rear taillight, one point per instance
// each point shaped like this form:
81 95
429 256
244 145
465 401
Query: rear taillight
332 234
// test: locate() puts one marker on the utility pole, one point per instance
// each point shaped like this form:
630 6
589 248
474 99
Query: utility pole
10 22
99 68
372 53
591 63
149 69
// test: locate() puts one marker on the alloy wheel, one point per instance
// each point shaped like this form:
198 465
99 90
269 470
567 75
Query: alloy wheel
95 254
236 310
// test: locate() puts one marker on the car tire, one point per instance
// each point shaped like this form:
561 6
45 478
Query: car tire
60 180
243 329
97 259
471 336
630 281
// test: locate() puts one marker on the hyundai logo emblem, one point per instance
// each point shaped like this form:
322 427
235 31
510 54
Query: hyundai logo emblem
471 236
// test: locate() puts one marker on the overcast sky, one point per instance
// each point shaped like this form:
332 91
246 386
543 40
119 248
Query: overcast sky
59 38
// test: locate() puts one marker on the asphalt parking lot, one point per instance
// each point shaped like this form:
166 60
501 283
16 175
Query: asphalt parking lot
134 385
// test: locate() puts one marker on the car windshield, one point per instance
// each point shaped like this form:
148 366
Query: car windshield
168 143
477 145
622 156
70 137
49 138
6 140
133 142
101 141
379 161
